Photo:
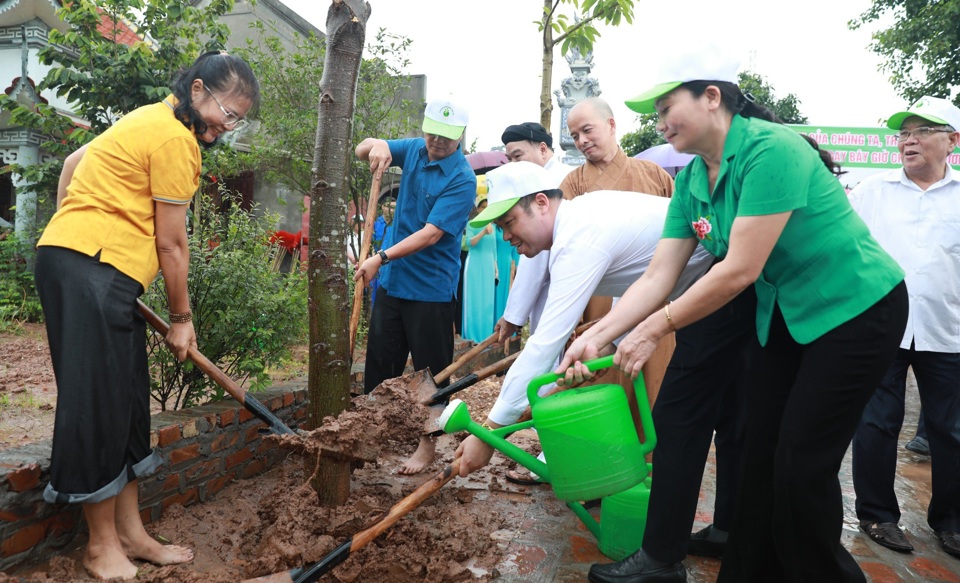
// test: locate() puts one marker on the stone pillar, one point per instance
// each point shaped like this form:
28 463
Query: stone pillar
26 218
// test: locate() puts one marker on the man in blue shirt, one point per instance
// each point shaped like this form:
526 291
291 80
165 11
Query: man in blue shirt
416 301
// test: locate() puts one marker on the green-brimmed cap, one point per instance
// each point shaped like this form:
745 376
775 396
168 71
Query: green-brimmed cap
933 109
443 117
508 184
709 63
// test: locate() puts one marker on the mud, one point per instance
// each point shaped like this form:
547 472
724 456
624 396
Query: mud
273 523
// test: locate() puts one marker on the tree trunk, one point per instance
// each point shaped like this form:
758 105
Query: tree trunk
328 298
546 77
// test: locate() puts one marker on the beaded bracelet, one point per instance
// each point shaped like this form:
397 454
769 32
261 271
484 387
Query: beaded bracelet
181 318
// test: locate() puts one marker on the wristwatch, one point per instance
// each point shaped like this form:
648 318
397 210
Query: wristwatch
383 257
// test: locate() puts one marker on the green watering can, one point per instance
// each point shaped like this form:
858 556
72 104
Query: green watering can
588 436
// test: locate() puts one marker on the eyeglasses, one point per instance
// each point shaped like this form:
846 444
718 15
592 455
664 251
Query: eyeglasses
921 133
230 120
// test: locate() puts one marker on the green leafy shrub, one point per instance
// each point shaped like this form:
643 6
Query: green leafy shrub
246 313
18 296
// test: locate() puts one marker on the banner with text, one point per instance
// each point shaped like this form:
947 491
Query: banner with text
861 147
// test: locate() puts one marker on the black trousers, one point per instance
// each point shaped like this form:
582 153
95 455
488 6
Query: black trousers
398 328
875 444
101 435
803 405
702 391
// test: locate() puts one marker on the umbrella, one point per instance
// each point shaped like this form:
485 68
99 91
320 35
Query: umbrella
481 162
666 157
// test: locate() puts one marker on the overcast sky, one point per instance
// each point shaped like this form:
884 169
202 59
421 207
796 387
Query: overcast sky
487 54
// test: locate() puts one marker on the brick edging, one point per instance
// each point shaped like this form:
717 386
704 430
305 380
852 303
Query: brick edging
203 448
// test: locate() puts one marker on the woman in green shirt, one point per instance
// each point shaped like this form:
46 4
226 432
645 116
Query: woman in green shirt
831 310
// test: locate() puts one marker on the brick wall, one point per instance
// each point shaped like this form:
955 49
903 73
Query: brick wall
204 449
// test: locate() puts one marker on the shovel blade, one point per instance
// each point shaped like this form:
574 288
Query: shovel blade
422 385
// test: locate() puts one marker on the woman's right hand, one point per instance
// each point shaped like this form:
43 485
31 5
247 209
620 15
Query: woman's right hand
180 339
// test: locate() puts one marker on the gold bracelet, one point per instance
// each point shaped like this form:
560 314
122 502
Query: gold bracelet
486 425
181 318
666 310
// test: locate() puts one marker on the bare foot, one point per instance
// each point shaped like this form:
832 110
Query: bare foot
108 562
420 458
151 550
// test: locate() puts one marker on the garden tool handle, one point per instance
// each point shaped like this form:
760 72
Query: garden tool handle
441 395
218 376
639 387
467 356
364 250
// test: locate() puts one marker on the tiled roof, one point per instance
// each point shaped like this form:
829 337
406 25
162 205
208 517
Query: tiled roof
120 30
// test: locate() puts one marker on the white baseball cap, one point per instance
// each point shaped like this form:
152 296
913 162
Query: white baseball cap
705 63
508 184
933 109
443 117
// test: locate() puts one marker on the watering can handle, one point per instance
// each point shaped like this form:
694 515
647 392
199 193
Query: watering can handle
545 379
643 403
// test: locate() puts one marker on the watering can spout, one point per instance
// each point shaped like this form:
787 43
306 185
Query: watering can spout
456 418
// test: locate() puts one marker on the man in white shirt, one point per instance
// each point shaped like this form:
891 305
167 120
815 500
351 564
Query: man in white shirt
914 213
598 245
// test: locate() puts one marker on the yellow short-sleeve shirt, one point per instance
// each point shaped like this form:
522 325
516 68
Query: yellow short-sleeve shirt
148 156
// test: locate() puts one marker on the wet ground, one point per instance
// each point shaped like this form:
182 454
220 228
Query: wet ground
478 529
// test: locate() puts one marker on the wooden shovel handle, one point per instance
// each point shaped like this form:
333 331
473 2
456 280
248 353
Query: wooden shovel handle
467 356
364 250
501 365
218 376
202 362
403 507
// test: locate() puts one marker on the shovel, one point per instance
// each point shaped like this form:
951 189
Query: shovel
218 376
429 394
427 384
313 573
364 250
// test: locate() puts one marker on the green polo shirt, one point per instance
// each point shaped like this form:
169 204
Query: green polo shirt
825 268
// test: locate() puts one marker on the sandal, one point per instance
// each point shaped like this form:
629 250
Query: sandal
524 479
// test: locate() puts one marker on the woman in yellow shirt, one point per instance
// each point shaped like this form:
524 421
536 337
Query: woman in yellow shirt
122 204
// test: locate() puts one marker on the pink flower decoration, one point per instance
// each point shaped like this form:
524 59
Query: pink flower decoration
703 227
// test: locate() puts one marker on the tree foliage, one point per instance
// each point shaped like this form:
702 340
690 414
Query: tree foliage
921 48
558 28
245 311
786 108
283 147
644 137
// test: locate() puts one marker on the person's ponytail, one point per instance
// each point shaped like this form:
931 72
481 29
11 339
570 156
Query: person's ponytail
219 71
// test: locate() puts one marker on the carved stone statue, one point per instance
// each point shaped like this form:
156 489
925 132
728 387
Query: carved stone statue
579 86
